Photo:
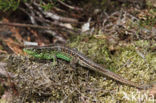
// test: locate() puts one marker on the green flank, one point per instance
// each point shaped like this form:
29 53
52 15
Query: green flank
48 55
63 56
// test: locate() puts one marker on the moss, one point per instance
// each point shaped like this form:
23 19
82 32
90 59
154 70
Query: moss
40 81
3 101
136 61
95 49
133 61
148 18
47 6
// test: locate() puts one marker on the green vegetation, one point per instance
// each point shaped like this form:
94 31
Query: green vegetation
6 5
12 5
47 6
149 20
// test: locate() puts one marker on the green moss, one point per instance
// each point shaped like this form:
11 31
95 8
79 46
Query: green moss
3 101
47 6
133 61
95 49
149 19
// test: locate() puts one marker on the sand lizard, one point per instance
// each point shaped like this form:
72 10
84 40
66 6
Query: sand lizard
74 56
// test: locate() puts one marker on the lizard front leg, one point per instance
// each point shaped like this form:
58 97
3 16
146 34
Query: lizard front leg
54 63
51 56
73 62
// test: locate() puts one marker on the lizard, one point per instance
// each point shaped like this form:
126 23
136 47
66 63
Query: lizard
74 56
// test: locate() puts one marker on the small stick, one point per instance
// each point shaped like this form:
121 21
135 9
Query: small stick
27 25
71 7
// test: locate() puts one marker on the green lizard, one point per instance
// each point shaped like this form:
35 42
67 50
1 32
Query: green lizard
74 56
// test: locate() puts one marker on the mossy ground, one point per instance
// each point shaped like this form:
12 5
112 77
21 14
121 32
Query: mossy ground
133 61
40 81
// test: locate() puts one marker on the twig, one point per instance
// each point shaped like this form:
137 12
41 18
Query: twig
58 9
27 25
71 7
54 16
32 19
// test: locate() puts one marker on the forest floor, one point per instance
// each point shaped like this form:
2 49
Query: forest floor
121 38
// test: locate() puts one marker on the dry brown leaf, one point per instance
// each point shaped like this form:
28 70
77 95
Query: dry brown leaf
16 34
13 46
